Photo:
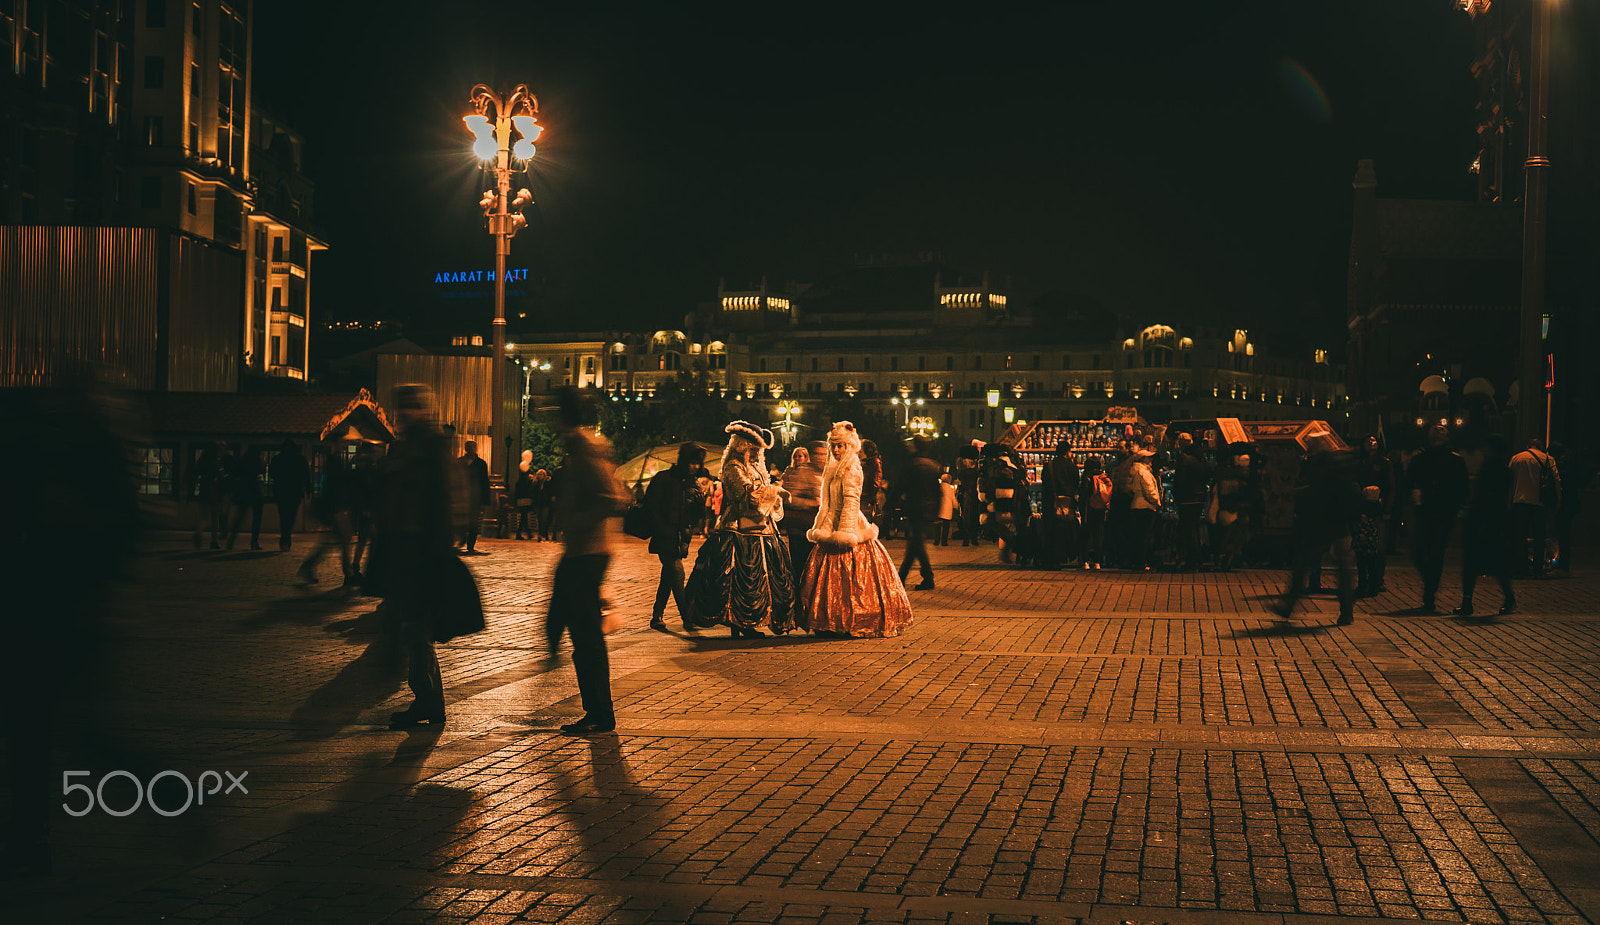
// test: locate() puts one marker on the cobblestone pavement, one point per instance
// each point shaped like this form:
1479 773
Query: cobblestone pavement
1039 747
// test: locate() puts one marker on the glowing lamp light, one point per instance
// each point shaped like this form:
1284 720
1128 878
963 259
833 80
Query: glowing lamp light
994 398
1011 415
528 128
484 147
522 149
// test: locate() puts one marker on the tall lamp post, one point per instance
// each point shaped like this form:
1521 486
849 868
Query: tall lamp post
496 120
1534 206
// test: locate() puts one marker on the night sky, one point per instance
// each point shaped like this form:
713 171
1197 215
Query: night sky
1174 162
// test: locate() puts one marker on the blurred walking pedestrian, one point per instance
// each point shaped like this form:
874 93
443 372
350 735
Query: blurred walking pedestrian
1325 506
363 501
589 498
291 482
1486 530
411 555
966 479
248 498
803 482
917 494
330 505
1438 479
673 502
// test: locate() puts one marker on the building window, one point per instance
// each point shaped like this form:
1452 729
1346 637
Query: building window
153 131
763 367
949 362
619 362
841 364
788 364
155 472
193 204
894 363
866 362
194 20
277 247
813 364
155 14
949 420
1066 361
1035 361
155 72
1095 361
922 363
277 350
977 362
1008 361
149 192
588 364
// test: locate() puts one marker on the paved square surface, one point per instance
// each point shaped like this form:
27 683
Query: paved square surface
1039 747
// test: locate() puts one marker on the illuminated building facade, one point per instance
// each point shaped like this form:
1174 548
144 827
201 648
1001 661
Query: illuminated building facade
881 334
156 226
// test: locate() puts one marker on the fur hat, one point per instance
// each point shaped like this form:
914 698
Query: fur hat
758 435
845 432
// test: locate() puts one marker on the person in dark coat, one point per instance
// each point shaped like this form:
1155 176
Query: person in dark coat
1094 500
1486 529
363 499
1438 479
917 495
291 482
478 493
966 478
1191 485
1375 472
1060 483
331 506
208 487
1325 509
873 488
248 497
674 502
412 544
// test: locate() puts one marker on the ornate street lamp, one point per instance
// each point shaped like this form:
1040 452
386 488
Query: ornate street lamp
787 428
994 402
497 119
905 404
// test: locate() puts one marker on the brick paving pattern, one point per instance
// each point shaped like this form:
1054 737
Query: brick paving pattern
1040 747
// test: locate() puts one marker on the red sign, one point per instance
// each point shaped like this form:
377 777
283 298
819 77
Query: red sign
1550 371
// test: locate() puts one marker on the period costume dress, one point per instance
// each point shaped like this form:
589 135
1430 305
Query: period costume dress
742 576
850 586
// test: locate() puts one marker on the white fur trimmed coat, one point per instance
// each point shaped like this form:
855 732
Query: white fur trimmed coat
840 522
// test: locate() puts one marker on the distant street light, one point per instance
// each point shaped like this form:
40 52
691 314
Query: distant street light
994 402
905 404
494 123
787 428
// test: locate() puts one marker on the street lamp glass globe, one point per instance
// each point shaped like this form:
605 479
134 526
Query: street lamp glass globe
485 149
522 150
527 128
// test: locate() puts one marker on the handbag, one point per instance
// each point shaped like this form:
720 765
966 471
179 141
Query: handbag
636 522
452 601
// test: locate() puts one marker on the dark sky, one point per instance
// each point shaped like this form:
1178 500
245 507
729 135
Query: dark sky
1172 161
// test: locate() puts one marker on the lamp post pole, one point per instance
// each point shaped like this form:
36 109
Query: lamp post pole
1530 409
497 117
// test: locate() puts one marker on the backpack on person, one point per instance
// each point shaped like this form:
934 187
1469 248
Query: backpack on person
1100 492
